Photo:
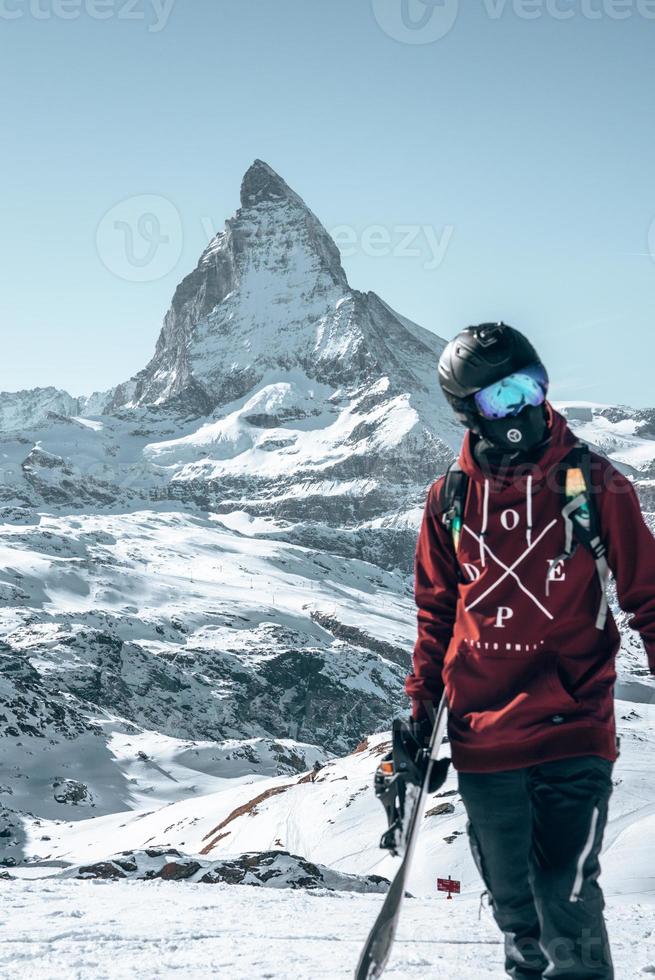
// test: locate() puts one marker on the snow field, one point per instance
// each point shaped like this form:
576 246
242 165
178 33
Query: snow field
81 930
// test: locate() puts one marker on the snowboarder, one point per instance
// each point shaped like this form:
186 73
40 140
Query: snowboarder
512 561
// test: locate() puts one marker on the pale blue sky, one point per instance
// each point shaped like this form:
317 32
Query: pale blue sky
527 146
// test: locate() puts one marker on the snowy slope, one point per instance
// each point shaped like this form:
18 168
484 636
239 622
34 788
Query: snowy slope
117 627
334 820
219 930
117 931
624 434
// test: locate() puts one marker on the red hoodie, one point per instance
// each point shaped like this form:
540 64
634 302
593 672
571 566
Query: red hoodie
529 678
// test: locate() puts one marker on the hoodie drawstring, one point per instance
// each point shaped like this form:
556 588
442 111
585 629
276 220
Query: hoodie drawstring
485 522
528 503
529 493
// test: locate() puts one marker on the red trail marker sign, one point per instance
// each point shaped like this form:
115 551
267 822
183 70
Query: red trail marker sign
448 885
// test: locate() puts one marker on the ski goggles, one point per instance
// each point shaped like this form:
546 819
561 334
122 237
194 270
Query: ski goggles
507 397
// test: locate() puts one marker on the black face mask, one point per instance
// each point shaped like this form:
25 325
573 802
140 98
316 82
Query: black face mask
520 434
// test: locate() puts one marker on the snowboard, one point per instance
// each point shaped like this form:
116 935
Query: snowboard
376 952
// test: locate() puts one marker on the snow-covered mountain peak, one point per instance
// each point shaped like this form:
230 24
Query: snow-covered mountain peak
264 192
262 183
269 293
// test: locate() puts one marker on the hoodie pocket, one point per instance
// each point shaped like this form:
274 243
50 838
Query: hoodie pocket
558 688
505 699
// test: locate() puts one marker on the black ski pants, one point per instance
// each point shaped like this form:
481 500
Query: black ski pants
535 836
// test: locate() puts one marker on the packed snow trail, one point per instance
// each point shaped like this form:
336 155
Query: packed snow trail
83 930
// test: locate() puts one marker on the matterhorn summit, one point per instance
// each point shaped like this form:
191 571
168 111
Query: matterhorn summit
269 294
269 373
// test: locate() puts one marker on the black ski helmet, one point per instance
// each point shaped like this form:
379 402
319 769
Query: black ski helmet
478 357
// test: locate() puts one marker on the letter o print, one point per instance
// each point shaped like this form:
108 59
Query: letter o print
510 519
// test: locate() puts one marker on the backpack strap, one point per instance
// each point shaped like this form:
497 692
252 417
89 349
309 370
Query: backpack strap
452 501
582 520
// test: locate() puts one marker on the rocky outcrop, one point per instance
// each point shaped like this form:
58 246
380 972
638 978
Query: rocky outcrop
267 869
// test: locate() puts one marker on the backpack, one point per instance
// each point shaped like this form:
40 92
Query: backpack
579 511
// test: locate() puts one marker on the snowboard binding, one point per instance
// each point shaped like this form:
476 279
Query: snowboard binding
399 778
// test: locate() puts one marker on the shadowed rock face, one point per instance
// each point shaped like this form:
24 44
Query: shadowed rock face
292 689
24 409
28 709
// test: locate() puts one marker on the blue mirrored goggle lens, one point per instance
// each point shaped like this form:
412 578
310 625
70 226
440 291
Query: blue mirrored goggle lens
505 398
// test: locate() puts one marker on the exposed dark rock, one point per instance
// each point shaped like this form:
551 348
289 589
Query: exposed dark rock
71 791
267 869
108 870
174 871
442 809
